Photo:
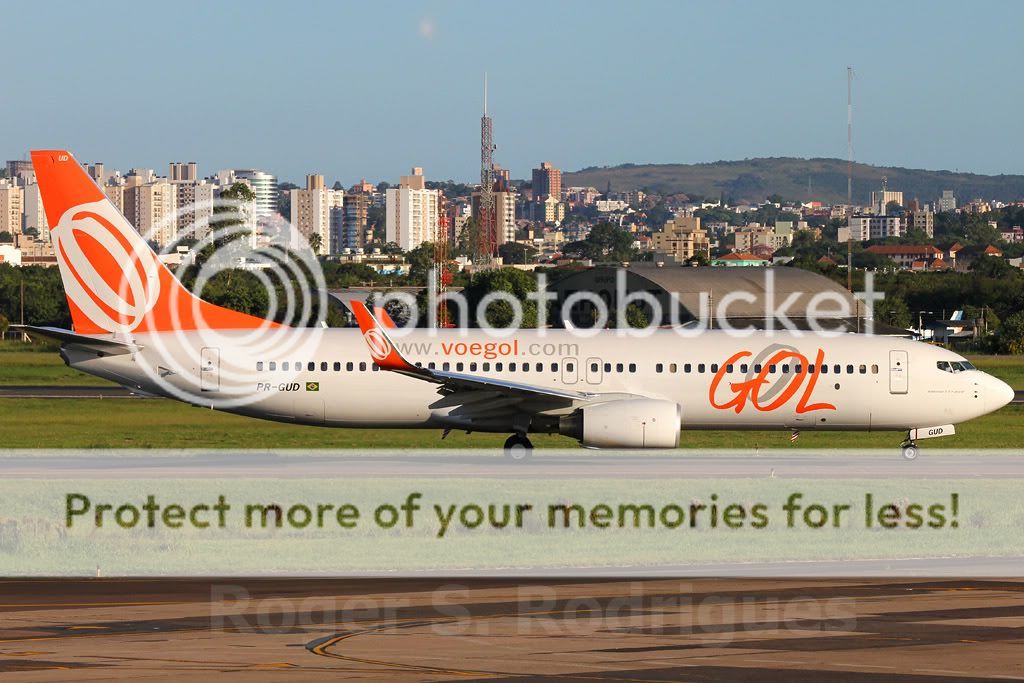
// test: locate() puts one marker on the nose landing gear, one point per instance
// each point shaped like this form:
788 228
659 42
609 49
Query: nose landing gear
908 449
518 447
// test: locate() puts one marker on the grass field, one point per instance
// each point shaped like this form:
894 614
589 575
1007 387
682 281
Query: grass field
132 423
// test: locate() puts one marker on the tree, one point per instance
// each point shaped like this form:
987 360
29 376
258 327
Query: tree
893 311
316 242
1011 334
32 231
231 212
606 242
513 252
511 281
6 237
421 261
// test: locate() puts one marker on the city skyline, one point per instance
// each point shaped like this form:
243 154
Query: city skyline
583 84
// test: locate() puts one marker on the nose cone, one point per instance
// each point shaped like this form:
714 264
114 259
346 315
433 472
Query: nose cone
997 393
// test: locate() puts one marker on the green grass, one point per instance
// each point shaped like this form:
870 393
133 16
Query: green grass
137 423
21 366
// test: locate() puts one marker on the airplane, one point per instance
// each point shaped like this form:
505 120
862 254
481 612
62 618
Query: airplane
137 325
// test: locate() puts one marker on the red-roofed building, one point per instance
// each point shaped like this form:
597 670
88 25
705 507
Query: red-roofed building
913 256
739 259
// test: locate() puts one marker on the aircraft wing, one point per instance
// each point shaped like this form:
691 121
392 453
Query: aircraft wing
109 346
388 357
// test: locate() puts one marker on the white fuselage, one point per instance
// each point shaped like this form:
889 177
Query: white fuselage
720 381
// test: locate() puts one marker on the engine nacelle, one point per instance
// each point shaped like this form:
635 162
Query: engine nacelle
625 423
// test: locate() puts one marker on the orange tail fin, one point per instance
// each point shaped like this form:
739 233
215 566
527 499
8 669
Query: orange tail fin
114 281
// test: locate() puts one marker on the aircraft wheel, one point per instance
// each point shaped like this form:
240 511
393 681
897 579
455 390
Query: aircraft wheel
909 451
518 447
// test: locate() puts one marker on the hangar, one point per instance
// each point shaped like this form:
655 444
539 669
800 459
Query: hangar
746 297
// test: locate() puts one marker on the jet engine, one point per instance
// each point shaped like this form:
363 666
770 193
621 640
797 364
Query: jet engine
625 423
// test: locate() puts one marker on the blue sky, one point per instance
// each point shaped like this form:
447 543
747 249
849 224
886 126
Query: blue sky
369 89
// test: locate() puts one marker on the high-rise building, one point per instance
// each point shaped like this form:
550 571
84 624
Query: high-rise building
921 219
115 193
947 202
311 212
11 206
151 209
412 217
349 224
880 200
681 239
34 215
263 185
20 168
181 172
547 182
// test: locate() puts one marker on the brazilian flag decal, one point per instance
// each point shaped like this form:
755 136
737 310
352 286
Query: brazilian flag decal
312 386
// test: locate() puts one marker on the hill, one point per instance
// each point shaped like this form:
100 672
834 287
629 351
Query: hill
754 179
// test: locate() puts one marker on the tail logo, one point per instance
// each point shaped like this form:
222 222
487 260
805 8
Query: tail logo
110 274
380 347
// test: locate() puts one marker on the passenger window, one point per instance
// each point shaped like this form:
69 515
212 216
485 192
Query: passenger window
259 366
687 367
771 369
659 368
593 367
362 366
375 367
744 368
273 365
570 367
498 366
539 367
526 367
714 367
618 367
554 367
798 369
337 366
863 369
700 368
350 366
824 369
837 369
459 366
607 367
874 369
323 366
284 365
632 367
673 368
728 368
511 367
431 366
472 367
311 366
487 367
849 369
757 368
785 369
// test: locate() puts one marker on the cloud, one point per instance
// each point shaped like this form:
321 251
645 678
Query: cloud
427 28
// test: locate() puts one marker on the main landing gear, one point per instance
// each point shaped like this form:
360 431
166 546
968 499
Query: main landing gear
518 447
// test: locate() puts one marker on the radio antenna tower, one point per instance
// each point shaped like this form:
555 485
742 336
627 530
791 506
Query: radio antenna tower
487 238
849 175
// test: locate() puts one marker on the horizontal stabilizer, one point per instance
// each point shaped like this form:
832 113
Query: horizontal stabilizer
111 346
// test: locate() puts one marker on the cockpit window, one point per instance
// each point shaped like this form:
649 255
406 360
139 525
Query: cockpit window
954 366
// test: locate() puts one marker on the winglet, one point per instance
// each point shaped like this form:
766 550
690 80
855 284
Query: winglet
382 349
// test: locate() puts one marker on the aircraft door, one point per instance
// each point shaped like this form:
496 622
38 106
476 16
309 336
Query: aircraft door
209 369
899 365
570 371
593 370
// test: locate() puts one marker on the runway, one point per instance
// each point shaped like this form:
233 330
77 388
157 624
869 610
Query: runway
501 630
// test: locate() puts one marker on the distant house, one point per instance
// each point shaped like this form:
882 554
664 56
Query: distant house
908 256
826 261
1012 235
739 259
965 256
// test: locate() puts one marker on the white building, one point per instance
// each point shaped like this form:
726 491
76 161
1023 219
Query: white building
11 207
35 216
412 212
263 185
863 227
947 202
10 254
